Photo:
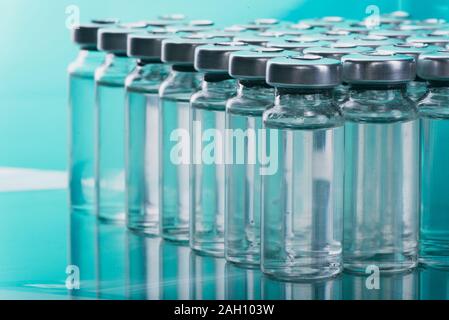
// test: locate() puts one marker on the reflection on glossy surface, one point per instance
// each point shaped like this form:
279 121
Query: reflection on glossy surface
311 290
207 276
111 259
241 283
175 271
117 264
401 286
143 267
434 284
82 251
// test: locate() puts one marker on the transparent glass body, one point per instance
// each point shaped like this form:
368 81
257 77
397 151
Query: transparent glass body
82 129
302 206
110 136
142 146
174 148
381 179
243 179
434 114
208 108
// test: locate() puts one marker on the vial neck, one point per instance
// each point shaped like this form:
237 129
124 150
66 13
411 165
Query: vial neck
384 92
146 62
90 56
304 96
183 68
256 88
218 83
438 88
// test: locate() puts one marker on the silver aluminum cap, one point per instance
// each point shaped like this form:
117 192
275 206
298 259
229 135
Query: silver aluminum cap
351 29
430 40
325 22
390 33
335 50
214 58
86 35
410 49
252 64
371 41
253 40
434 66
321 37
163 23
292 44
181 50
378 68
146 46
134 25
201 23
179 29
304 71
113 40
266 22
173 17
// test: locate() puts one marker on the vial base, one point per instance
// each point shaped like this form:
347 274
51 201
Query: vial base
386 262
304 271
435 254
144 224
209 248
179 235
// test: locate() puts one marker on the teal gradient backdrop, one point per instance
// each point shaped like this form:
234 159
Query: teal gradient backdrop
36 50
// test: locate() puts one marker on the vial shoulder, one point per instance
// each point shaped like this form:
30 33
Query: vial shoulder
326 115
179 85
434 106
209 100
242 105
379 110
141 80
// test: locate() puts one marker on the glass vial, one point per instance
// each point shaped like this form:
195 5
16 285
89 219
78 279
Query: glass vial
174 135
243 178
302 206
81 117
208 108
337 51
142 132
110 124
434 116
382 164
417 88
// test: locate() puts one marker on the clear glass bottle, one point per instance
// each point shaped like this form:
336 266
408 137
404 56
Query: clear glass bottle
142 132
434 117
243 178
81 117
337 51
174 134
382 164
302 206
416 89
208 108
110 124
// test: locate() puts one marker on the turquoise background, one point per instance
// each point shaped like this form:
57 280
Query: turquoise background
36 50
